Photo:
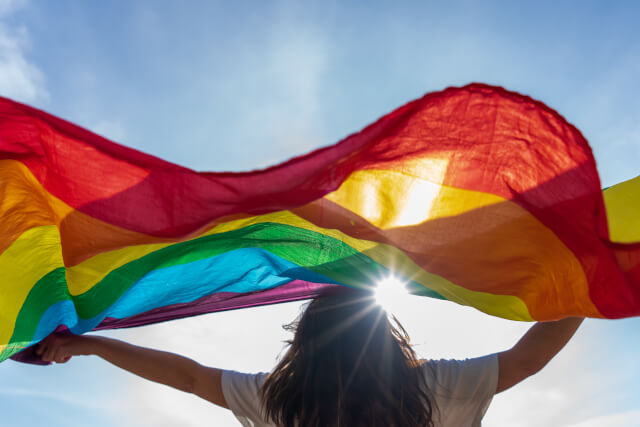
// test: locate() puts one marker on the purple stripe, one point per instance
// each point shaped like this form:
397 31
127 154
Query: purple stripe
292 291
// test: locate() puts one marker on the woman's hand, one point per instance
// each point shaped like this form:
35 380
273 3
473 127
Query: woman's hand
60 348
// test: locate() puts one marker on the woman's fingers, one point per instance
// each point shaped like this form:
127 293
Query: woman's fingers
56 354
41 348
51 349
59 348
48 354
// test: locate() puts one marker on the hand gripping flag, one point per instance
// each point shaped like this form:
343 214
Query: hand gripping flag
476 195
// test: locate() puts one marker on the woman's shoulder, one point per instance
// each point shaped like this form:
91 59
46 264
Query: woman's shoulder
462 389
242 393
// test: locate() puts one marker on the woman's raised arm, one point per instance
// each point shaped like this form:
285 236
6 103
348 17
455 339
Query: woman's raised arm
534 350
159 366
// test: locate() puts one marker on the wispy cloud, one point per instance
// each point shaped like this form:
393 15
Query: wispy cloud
19 78
59 397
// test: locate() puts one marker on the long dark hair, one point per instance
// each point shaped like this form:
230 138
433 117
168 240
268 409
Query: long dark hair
347 365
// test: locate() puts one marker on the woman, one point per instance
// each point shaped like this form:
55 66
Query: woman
347 365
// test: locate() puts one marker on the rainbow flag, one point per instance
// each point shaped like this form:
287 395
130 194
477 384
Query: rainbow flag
476 195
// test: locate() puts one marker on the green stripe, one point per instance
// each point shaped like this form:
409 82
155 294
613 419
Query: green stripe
49 290
308 249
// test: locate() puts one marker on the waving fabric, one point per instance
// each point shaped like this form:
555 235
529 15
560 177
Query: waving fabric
476 195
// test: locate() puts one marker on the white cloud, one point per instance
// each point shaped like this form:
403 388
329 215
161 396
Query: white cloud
19 78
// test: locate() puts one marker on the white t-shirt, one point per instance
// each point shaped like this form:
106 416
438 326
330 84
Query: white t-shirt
462 390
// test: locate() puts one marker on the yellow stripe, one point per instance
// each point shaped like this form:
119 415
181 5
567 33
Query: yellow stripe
623 211
34 254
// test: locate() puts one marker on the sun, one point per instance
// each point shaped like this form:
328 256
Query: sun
390 293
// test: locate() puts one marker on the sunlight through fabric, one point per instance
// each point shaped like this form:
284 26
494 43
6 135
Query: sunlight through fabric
391 293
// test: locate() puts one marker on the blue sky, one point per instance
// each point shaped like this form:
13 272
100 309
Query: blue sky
242 85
